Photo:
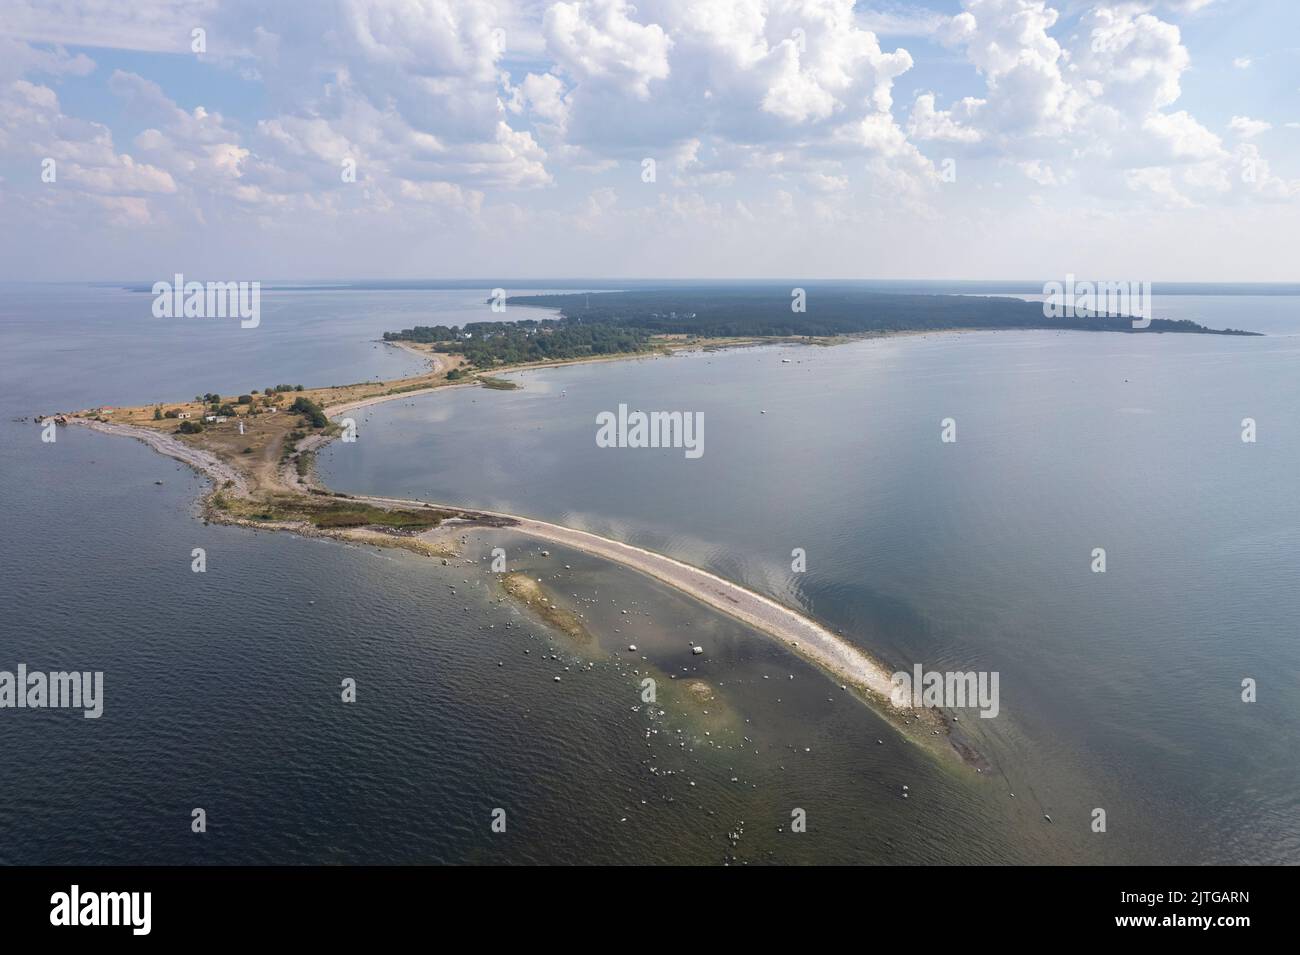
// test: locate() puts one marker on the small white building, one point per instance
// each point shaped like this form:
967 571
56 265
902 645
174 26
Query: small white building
182 414
209 417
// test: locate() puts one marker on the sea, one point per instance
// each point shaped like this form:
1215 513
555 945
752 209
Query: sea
1147 712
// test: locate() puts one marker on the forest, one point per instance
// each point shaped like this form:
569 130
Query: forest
607 323
485 344
829 309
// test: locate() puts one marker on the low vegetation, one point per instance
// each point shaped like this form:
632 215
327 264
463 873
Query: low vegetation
329 512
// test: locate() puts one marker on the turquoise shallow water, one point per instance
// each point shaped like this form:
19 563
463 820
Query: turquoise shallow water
1118 690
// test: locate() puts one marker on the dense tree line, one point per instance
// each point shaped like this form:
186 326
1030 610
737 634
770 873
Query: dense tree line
765 310
485 344
603 323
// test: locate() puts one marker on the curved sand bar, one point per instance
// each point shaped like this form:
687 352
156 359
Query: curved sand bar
798 633
804 636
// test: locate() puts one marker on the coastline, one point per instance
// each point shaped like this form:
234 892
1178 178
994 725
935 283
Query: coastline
206 463
820 646
799 633
294 479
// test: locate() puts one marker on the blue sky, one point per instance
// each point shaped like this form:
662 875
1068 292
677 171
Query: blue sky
1154 140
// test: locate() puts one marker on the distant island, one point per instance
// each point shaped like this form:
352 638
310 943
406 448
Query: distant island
624 322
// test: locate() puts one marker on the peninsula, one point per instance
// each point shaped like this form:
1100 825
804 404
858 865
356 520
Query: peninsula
257 449
258 446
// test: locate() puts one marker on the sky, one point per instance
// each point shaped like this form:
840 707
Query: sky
978 139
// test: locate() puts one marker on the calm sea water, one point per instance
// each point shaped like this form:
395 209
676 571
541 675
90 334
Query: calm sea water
1119 691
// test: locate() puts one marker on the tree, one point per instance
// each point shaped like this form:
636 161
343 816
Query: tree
310 410
157 413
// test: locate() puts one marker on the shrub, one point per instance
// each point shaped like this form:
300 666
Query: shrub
310 410
245 399
190 427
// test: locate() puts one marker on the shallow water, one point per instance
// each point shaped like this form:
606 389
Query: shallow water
222 689
1119 690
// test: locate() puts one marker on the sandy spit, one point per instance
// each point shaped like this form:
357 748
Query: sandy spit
798 633
805 637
